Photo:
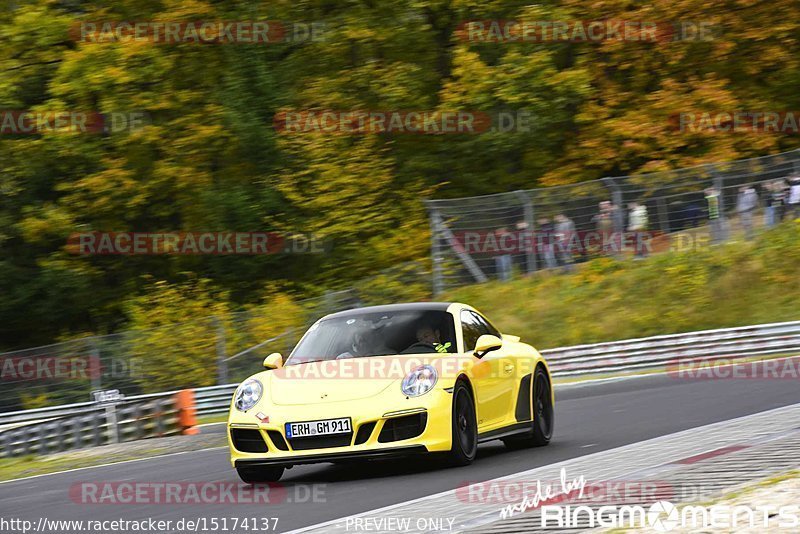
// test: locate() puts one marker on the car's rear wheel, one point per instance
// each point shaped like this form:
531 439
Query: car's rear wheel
258 475
465 427
543 417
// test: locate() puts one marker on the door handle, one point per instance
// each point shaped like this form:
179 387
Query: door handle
508 368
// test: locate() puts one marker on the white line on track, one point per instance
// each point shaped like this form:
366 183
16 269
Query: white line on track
679 434
112 463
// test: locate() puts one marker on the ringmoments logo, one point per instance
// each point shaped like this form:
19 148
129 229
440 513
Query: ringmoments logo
664 516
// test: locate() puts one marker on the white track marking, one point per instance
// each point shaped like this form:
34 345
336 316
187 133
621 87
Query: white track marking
112 463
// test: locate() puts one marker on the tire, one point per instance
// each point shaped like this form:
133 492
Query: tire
543 417
464 425
260 475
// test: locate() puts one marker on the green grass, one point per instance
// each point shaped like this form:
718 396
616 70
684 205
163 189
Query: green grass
735 284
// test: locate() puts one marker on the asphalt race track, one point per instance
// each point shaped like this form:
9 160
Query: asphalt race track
589 419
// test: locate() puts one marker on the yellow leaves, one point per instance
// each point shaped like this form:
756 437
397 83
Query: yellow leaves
42 224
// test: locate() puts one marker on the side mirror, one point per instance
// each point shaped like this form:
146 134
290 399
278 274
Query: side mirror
273 361
486 344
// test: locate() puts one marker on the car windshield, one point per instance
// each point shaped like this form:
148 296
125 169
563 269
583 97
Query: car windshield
376 334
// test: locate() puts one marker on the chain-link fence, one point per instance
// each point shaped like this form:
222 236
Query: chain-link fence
472 240
201 352
476 239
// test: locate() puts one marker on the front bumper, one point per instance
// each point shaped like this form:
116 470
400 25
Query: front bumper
378 454
382 441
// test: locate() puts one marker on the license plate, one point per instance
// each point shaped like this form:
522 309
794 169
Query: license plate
318 428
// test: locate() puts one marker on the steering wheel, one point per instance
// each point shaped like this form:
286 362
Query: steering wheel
418 346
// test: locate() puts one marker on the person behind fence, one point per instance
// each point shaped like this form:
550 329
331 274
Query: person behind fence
565 230
604 222
545 239
794 197
779 199
746 204
769 209
503 262
714 216
637 224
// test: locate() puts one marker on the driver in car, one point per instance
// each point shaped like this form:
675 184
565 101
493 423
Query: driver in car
427 335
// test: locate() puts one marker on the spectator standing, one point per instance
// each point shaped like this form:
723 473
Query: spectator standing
546 238
714 219
637 224
565 231
604 223
769 209
779 199
503 262
794 197
746 204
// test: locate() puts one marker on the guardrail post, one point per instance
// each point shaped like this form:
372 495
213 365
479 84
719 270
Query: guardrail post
43 439
136 415
158 414
5 443
25 443
97 423
111 421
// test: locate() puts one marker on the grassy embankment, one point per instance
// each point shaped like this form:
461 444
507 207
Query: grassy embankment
735 284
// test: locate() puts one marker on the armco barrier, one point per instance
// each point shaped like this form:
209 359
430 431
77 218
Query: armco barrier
658 351
84 424
99 425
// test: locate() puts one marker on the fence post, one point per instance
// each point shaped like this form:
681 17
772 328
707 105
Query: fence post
618 200
95 367
222 364
436 253
530 226
719 185
663 214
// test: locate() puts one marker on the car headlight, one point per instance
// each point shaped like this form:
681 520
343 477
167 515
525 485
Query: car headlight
247 394
419 381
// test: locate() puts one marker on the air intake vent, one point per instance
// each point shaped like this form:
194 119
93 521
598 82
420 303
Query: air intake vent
248 440
406 427
277 439
364 432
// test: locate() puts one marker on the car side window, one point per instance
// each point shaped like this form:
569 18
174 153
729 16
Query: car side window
485 327
470 329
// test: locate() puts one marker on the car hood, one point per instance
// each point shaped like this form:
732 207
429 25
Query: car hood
338 380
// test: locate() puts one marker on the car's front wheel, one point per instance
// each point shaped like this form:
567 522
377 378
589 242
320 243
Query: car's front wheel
259 475
465 427
543 417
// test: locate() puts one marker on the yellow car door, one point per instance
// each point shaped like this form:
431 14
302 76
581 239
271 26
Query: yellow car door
493 376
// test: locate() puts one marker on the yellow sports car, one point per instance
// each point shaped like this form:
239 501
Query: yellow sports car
390 381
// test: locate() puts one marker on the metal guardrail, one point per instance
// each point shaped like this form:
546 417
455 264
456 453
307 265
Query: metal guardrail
100 425
84 424
660 351
215 399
